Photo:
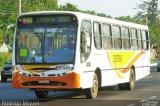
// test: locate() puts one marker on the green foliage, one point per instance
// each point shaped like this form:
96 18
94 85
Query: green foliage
94 13
148 10
68 7
149 13
153 61
9 12
71 7
4 57
130 19
8 15
38 5
155 35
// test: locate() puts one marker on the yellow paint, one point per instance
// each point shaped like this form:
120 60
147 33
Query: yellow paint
30 67
122 60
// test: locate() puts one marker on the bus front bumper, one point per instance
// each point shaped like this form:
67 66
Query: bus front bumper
69 81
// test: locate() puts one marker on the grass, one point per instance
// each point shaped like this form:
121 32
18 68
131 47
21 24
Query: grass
4 57
153 60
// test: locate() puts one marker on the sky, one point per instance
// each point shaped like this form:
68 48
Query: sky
114 8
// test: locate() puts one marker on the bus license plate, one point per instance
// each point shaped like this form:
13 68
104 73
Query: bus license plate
43 81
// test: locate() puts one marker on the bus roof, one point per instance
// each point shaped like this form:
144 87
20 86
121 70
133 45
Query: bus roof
91 17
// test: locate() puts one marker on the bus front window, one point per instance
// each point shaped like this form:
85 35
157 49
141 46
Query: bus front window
46 45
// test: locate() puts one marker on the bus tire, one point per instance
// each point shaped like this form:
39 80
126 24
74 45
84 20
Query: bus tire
91 93
121 86
41 94
129 85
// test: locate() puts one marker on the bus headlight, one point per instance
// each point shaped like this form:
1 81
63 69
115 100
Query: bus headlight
20 72
13 68
70 71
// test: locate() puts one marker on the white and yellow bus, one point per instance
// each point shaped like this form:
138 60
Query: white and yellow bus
59 50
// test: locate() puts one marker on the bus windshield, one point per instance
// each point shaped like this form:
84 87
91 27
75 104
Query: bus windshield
44 41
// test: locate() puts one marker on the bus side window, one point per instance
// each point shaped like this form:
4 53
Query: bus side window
133 39
85 40
145 40
139 34
125 37
117 37
97 35
107 38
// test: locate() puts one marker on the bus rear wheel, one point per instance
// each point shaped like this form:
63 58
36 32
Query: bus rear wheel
41 94
91 93
129 85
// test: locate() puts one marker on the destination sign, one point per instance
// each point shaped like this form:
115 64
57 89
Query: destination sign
46 19
53 19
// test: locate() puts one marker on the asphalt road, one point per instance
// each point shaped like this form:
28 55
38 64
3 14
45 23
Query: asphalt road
146 93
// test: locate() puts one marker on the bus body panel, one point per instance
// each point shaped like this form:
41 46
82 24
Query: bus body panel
113 74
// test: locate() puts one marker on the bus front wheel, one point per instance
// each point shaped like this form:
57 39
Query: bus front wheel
41 94
91 93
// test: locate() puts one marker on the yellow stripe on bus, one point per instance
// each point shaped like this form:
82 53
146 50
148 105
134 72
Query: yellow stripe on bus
122 60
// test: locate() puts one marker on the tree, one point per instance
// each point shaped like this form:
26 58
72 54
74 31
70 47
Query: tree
130 19
38 5
9 11
155 35
90 12
68 7
148 11
72 7
98 14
